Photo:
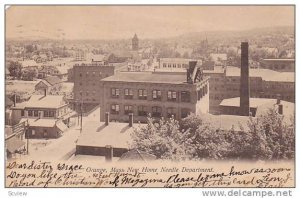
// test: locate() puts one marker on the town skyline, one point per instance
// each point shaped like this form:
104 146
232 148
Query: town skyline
51 22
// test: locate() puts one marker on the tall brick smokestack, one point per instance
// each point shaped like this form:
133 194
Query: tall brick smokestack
244 84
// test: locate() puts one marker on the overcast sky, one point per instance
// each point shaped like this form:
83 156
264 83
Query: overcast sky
114 22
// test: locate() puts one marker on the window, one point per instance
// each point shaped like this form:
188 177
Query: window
32 132
164 65
185 113
80 84
185 96
30 113
127 109
156 111
22 112
142 111
156 95
171 113
94 73
142 94
115 109
172 95
174 65
128 94
45 133
51 113
115 93
87 74
80 75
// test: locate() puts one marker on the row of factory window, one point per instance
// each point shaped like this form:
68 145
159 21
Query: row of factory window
155 111
156 94
174 65
222 96
93 74
35 113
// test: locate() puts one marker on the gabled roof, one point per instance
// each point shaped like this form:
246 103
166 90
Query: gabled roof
53 80
43 82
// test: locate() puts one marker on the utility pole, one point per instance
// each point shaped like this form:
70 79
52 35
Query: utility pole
81 116
27 137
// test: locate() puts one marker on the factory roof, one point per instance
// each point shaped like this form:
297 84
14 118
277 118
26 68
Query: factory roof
147 77
262 105
97 134
265 74
280 59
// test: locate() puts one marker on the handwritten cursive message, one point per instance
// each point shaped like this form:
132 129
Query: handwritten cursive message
62 174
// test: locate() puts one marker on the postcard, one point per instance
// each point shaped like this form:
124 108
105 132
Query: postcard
150 96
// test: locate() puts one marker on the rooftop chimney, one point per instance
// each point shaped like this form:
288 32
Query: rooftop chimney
130 119
109 153
106 118
280 109
244 81
278 99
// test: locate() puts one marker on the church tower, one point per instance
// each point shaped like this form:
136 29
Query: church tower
135 43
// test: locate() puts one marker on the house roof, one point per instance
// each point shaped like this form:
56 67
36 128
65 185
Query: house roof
53 80
137 155
96 134
44 82
48 101
147 77
265 74
39 122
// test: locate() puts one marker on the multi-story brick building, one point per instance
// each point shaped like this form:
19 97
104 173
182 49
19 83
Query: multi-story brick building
281 65
264 83
87 77
159 94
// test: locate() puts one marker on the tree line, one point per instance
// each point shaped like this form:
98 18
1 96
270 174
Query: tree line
267 137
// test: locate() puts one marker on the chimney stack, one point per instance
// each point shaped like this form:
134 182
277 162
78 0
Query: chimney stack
130 119
280 109
106 118
109 153
244 81
278 99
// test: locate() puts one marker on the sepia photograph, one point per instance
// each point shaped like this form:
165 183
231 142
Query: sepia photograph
152 96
